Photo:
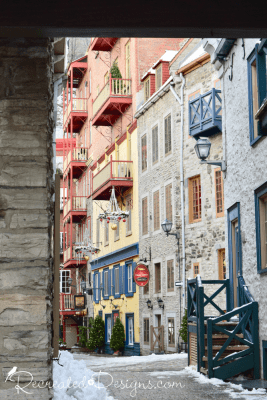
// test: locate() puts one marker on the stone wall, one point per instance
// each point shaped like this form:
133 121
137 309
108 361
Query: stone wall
26 212
246 170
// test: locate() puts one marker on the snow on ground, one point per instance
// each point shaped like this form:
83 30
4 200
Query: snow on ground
235 391
93 361
74 381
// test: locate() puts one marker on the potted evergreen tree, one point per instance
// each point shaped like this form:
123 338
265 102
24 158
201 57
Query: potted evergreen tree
183 332
117 337
97 334
116 74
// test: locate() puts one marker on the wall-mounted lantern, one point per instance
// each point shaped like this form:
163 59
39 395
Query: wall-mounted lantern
149 304
202 149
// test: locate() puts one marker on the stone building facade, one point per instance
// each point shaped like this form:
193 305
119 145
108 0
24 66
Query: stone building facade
245 151
27 212
159 176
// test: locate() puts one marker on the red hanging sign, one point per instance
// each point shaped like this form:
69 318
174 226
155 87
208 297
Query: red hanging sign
141 275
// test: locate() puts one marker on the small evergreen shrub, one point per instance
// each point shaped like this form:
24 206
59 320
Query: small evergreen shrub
97 334
117 336
183 330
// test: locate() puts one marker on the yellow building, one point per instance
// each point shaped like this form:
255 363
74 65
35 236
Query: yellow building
115 292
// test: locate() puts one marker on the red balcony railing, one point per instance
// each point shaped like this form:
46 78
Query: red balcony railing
114 173
76 105
66 302
76 203
78 154
113 88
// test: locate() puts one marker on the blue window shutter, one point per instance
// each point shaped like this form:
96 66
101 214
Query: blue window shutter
134 284
109 282
126 279
94 288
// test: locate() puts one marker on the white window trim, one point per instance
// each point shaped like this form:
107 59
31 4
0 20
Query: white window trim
130 277
117 268
155 189
171 257
96 286
109 329
105 282
155 261
147 152
130 319
148 216
60 281
171 315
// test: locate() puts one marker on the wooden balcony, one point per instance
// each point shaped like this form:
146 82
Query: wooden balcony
114 173
76 159
66 302
75 207
205 114
77 109
103 44
112 101
70 260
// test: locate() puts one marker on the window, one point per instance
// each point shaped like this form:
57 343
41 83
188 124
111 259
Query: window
195 269
127 60
219 193
221 263
61 241
170 276
158 77
129 219
90 134
85 89
146 330
130 330
144 217
168 135
256 91
156 210
117 280
106 234
146 288
217 84
168 201
108 330
157 278
64 276
147 89
194 199
117 231
144 153
90 87
194 95
105 283
130 277
96 287
155 145
171 337
261 227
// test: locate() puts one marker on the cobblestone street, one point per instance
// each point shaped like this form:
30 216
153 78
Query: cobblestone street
158 380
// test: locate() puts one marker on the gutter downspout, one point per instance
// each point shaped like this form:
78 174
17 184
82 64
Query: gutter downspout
181 102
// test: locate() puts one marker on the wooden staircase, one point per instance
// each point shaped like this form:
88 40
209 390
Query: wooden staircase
225 345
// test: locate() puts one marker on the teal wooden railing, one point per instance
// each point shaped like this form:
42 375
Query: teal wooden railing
197 300
246 332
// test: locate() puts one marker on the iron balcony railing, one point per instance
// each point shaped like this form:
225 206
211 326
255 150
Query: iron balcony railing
66 302
113 88
113 170
77 154
205 114
76 105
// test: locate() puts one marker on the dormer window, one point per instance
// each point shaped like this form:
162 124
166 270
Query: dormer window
147 89
158 77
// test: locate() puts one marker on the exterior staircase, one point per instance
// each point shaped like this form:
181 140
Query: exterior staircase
225 345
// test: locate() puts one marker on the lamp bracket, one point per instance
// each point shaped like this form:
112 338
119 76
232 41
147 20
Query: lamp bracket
221 164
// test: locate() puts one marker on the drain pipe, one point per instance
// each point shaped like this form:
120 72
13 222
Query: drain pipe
181 102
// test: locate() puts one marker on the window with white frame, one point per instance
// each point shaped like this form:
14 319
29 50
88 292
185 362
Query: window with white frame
108 328
130 278
130 331
117 281
105 283
64 286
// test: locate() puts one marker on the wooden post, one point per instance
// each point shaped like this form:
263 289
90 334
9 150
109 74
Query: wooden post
56 266
255 328
209 344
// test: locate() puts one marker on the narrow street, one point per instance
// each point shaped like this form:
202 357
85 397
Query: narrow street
148 378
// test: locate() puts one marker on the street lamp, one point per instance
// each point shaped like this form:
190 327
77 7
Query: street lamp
84 290
167 226
202 149
160 303
149 304
69 281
